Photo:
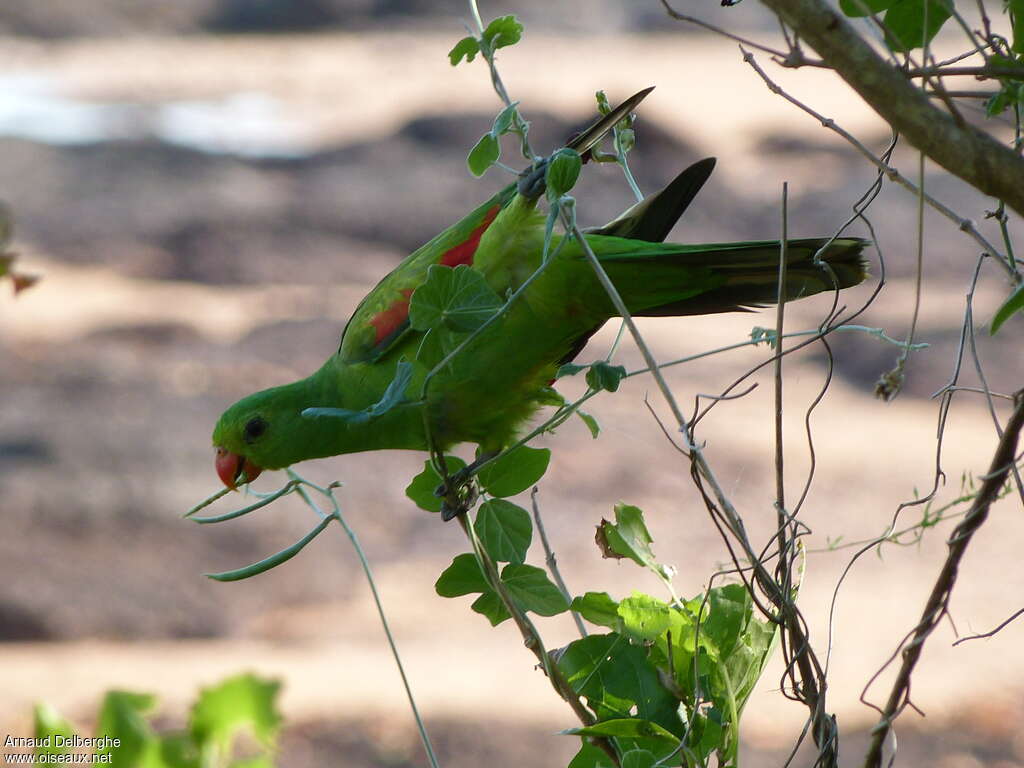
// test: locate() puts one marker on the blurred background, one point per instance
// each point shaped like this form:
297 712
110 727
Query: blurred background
208 187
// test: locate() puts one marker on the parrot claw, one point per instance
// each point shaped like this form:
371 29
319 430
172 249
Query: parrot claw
458 491
532 181
456 499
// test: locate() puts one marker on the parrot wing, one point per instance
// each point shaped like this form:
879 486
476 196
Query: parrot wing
382 317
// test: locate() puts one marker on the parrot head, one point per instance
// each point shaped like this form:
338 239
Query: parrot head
261 431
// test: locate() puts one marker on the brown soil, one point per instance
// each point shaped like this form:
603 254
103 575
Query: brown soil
176 281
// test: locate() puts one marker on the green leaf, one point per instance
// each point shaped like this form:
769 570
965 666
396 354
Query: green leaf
638 758
632 728
728 610
503 122
625 139
550 396
562 172
50 725
590 756
617 677
570 369
489 605
462 577
467 48
484 154
629 537
1013 305
174 750
908 28
531 590
121 718
598 608
503 31
393 396
1016 10
603 376
514 472
644 617
767 335
591 422
858 8
458 299
504 530
707 734
748 658
421 489
1010 92
240 704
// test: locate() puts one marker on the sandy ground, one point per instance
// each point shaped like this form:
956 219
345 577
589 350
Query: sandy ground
330 652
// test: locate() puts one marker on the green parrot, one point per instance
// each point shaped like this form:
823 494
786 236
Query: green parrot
375 393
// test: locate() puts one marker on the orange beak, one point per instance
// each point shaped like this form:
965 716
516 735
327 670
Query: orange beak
233 469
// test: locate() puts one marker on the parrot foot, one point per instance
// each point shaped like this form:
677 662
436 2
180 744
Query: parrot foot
458 493
456 500
532 181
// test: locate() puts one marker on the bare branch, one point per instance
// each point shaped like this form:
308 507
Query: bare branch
961 149
965 225
938 601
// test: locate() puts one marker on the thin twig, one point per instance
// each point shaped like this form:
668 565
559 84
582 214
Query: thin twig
533 641
552 561
992 632
350 532
780 314
938 601
964 224
983 72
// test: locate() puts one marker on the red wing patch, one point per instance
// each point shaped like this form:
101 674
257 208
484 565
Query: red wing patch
464 251
390 320
387 321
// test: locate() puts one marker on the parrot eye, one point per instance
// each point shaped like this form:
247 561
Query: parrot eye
254 428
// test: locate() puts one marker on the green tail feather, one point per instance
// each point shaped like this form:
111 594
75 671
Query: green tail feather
653 217
745 275
661 279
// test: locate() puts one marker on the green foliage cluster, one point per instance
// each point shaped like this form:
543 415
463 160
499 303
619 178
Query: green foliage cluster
244 705
667 679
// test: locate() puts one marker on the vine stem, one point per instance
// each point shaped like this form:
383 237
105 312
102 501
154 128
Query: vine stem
964 224
789 616
532 639
935 608
552 561
350 532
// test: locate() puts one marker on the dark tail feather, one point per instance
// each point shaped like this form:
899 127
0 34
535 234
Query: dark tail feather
751 274
589 137
653 217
